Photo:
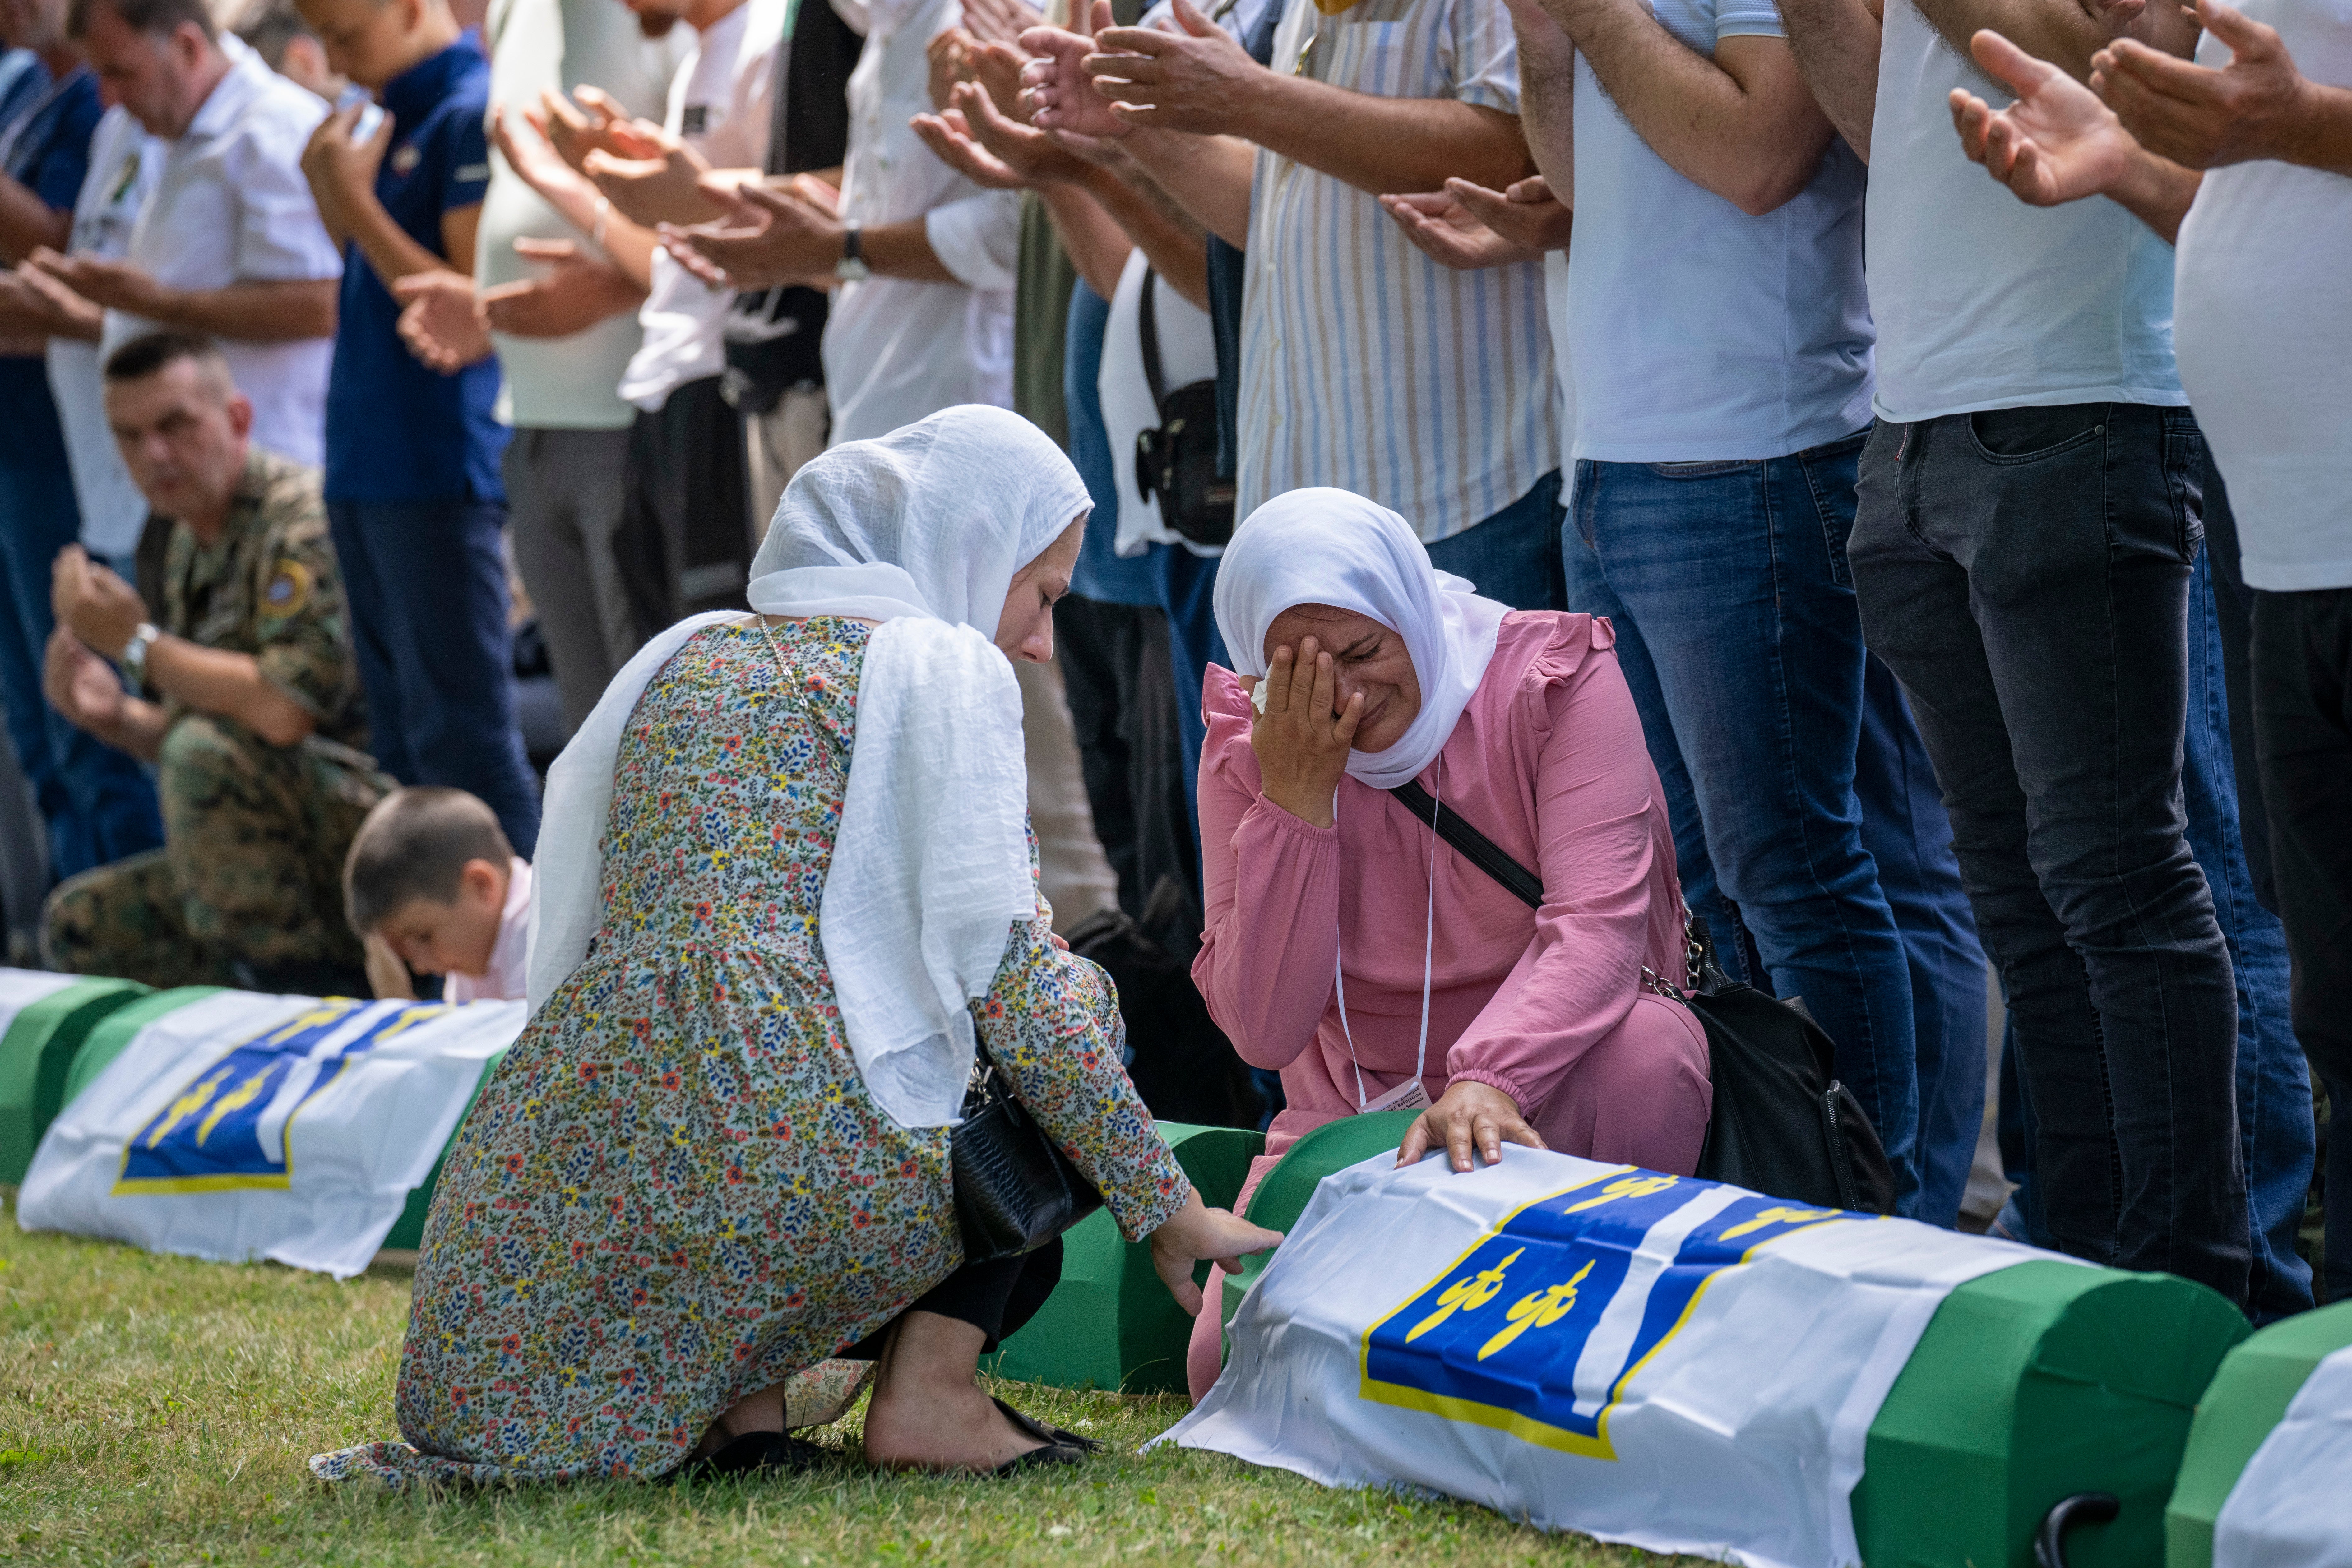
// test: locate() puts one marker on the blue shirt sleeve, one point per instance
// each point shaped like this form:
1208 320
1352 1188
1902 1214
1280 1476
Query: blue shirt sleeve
463 151
64 161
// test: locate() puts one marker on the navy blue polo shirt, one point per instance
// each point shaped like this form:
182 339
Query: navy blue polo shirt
45 147
397 433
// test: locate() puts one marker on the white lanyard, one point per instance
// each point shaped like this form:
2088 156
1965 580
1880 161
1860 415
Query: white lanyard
1410 1095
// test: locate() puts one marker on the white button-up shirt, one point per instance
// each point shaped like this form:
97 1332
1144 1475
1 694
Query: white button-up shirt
897 350
231 206
1365 364
123 163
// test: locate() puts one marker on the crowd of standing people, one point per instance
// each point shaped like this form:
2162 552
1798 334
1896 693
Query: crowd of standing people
1851 388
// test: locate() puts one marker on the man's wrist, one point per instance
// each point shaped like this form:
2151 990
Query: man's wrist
133 652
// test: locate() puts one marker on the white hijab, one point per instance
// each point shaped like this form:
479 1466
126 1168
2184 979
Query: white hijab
923 530
1333 547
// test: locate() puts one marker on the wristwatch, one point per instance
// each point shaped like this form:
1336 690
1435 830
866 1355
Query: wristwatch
852 267
133 658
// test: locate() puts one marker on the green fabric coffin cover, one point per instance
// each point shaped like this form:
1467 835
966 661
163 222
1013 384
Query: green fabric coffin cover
408 1230
114 1034
1110 1324
36 1056
2247 1397
2030 1385
1282 1197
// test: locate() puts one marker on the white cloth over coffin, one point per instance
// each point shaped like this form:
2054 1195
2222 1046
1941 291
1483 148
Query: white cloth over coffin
246 1126
1738 1435
20 988
2292 1506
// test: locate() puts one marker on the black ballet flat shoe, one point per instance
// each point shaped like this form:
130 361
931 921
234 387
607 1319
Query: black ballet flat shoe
1056 1435
753 1453
1040 1459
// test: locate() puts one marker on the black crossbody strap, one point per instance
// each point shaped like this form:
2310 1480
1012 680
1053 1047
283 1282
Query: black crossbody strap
1475 847
1147 323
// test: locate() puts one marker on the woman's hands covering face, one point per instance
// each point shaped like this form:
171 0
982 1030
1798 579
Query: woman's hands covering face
1301 743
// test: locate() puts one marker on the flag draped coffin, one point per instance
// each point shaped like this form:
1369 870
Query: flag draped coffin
44 1018
1658 1360
2289 1503
242 1126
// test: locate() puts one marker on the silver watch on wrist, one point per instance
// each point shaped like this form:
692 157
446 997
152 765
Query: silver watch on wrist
852 267
133 658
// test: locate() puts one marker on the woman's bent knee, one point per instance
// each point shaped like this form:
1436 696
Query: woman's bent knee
1639 1096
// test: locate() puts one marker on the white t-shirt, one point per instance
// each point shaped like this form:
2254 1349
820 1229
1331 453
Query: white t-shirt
123 163
231 206
1705 333
1985 302
1555 264
897 350
563 383
1188 352
719 104
2263 325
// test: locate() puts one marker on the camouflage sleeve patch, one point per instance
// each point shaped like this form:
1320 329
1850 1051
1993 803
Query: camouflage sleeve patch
299 634
287 593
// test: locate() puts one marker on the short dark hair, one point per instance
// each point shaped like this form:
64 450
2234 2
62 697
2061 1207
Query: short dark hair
415 845
160 17
145 355
268 25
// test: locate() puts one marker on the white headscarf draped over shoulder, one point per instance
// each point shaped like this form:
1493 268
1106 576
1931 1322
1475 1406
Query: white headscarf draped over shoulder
1333 547
923 530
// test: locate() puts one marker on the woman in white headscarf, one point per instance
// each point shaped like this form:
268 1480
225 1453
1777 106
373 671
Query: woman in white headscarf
1377 967
762 962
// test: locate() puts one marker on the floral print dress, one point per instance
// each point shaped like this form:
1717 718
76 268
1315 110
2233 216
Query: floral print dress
675 1190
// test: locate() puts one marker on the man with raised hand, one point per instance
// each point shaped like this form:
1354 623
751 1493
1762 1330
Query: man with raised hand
230 244
2264 340
1721 347
247 703
2023 555
1356 346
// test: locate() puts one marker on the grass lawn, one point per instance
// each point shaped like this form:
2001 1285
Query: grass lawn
157 1411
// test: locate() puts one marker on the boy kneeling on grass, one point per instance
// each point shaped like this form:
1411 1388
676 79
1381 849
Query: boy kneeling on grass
432 886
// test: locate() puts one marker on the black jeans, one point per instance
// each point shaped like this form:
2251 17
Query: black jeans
2025 574
2302 738
996 1297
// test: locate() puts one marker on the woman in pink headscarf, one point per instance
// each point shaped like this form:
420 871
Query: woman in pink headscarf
1376 966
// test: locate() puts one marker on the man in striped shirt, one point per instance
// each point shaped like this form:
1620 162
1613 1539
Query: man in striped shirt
1366 364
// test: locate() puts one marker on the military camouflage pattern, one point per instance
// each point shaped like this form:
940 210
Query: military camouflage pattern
269 586
247 890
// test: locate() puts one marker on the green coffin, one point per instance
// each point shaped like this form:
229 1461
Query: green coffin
408 1230
114 1034
36 1056
1110 1324
1282 1197
2030 1385
2247 1397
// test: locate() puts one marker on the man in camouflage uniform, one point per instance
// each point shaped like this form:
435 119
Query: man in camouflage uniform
257 727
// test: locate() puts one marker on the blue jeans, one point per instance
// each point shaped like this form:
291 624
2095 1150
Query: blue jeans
428 590
98 803
1737 630
1513 555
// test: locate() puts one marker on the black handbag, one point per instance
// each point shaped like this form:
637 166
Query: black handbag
1015 1190
1782 1124
1176 464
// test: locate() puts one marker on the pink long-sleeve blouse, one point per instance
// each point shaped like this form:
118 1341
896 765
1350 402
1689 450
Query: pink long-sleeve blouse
1549 761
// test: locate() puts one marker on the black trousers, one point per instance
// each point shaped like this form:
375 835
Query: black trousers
2302 738
1117 671
685 541
996 1297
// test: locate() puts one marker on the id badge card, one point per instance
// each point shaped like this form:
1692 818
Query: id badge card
1407 1096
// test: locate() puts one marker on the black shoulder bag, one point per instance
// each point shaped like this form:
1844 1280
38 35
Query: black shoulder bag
1015 1189
1176 464
1783 1124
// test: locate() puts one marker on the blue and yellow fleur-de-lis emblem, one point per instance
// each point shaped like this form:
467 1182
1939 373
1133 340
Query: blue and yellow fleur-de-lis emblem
1540 1326
226 1130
